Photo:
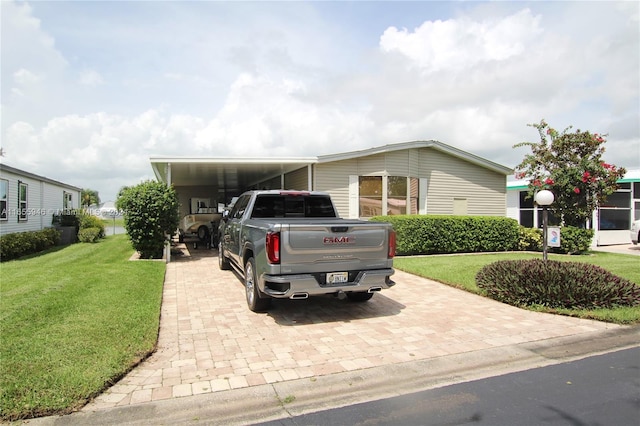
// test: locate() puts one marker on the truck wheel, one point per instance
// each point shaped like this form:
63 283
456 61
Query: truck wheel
223 262
255 303
203 233
359 297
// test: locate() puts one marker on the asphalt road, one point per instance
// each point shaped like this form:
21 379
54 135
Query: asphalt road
599 390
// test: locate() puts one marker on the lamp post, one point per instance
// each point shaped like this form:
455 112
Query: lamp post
544 198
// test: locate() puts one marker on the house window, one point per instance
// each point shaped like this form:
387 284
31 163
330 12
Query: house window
370 199
526 209
396 195
4 195
387 195
22 201
615 212
67 200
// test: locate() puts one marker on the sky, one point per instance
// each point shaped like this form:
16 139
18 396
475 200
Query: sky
90 90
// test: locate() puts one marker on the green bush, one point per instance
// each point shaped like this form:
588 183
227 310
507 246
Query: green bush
574 240
556 284
150 216
88 221
90 235
530 239
13 246
429 234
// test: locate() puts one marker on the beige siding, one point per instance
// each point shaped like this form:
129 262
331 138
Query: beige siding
334 179
373 165
414 162
298 179
397 163
450 177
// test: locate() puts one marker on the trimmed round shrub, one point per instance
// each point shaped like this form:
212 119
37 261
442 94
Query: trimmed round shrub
88 221
90 235
556 284
150 216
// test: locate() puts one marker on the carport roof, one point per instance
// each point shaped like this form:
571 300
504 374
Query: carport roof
233 174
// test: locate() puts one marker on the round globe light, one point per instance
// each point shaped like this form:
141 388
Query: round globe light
544 197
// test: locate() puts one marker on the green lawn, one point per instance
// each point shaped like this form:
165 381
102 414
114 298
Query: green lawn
460 271
72 321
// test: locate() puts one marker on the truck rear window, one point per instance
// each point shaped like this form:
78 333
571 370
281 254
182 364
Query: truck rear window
293 206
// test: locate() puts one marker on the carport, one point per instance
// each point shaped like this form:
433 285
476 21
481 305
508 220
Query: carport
219 179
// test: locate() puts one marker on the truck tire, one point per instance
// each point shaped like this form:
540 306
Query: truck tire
223 261
255 303
359 296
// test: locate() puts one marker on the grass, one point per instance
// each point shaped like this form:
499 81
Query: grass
118 221
73 321
460 271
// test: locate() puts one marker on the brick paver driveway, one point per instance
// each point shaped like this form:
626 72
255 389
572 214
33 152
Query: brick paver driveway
209 340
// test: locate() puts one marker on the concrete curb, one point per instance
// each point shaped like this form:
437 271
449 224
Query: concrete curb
296 397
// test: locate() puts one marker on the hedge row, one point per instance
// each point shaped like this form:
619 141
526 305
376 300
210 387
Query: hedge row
572 240
431 234
13 246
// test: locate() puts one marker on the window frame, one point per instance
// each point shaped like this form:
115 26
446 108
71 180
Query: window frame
4 200
23 204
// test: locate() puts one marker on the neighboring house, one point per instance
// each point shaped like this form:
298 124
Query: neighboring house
29 201
611 222
105 210
422 177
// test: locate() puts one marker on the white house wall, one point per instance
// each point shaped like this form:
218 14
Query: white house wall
44 199
513 205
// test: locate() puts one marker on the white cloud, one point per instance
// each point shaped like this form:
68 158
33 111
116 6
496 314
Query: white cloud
226 79
90 78
25 77
457 44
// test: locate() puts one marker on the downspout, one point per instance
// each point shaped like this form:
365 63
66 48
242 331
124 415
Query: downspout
310 177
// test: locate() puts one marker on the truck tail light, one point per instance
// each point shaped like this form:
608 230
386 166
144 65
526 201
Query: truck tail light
273 247
392 245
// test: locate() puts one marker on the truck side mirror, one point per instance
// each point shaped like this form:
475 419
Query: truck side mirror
225 215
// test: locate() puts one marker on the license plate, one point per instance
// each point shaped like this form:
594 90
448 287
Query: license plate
337 277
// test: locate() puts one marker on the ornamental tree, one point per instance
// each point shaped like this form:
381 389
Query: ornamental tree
570 165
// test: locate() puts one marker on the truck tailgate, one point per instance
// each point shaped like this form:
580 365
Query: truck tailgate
336 245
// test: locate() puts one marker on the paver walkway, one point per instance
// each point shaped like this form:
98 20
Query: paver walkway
209 340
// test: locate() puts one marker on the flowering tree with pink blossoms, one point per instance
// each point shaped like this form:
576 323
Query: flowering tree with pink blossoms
570 165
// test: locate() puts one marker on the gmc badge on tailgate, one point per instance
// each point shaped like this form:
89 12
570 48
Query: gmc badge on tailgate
338 240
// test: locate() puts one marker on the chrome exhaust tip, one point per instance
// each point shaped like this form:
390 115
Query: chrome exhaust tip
374 289
299 296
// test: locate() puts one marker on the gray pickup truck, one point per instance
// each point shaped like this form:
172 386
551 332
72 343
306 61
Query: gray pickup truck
292 244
